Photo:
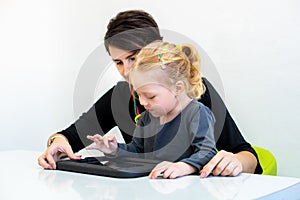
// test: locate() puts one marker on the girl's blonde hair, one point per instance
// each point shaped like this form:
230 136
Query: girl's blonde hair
179 63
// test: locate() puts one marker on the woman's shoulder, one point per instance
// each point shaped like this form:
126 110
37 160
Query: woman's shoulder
122 84
121 90
115 92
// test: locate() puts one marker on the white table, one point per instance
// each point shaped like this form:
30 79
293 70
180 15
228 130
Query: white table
22 178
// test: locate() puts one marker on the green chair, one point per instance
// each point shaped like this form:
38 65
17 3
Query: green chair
266 160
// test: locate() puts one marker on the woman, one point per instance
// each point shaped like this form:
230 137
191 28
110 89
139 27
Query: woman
126 34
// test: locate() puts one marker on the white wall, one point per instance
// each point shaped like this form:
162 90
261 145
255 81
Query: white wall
253 44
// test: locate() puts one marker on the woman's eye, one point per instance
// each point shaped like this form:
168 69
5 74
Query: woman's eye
151 97
118 63
132 59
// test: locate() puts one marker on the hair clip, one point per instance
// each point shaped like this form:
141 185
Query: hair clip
161 61
179 47
137 117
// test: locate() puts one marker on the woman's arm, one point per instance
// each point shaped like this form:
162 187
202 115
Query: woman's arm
248 161
234 151
97 120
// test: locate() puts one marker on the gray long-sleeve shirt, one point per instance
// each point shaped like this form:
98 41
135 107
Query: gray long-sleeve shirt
189 137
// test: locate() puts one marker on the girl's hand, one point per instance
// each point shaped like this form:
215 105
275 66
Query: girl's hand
106 144
171 170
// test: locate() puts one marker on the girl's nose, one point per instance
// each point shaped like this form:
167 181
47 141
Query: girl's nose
142 101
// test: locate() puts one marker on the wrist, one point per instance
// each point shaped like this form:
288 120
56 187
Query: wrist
247 161
189 169
55 136
112 154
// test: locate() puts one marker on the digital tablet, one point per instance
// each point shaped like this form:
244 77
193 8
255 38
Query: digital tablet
124 167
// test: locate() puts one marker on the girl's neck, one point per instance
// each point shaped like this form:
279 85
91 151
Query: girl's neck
182 102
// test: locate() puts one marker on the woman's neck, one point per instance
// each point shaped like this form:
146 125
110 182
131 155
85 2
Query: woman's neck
182 101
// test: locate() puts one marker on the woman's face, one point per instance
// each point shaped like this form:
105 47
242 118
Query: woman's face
122 59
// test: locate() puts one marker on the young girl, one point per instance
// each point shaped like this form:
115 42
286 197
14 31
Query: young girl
175 127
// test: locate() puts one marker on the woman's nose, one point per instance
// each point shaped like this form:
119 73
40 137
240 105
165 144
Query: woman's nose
127 66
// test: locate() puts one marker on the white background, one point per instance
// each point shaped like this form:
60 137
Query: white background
253 44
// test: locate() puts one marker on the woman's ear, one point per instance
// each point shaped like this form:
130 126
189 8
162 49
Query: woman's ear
179 87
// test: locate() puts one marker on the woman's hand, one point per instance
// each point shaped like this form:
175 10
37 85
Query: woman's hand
55 151
106 144
228 164
171 170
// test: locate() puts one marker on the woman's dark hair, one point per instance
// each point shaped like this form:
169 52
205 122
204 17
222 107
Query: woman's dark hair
131 30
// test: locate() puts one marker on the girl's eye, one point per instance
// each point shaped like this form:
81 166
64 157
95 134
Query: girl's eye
151 97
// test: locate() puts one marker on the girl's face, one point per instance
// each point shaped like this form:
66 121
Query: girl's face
157 99
122 59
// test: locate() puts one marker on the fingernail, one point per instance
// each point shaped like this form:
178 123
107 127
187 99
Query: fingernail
202 175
